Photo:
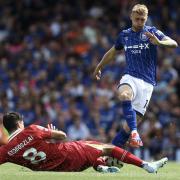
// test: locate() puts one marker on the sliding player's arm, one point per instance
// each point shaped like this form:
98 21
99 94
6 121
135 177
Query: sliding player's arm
47 133
56 134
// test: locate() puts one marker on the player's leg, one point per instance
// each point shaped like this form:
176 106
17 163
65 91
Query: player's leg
121 138
124 133
94 154
126 93
107 164
96 150
100 149
139 118
140 104
129 158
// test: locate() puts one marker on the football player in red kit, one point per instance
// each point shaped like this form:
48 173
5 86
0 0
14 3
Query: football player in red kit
32 147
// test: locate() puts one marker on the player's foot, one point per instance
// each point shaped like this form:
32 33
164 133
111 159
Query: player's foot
111 161
106 169
135 140
152 167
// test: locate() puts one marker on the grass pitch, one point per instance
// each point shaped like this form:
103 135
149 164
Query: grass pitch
14 172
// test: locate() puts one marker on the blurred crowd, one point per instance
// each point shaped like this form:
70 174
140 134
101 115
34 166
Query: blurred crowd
49 50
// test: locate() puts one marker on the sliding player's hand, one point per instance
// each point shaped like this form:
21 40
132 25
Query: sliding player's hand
52 127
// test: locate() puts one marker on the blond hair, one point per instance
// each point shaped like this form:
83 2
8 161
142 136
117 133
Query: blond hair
140 9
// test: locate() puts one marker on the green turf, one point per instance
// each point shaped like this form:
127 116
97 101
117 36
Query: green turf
13 172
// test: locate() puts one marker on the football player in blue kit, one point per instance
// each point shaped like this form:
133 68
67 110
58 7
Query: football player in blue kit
136 85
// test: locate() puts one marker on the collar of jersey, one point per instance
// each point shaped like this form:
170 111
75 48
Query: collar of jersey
138 31
15 133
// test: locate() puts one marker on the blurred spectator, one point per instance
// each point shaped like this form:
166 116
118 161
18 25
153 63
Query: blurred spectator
78 130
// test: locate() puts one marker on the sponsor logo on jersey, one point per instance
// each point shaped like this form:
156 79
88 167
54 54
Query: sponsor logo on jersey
137 46
126 38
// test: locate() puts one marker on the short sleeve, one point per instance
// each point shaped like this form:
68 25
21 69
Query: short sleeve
40 131
119 42
160 35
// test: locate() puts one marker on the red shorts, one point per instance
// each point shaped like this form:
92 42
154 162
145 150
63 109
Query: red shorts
80 155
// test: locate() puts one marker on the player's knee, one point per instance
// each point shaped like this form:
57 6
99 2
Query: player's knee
125 96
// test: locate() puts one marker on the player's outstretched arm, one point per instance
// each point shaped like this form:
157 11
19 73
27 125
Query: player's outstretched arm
166 41
56 134
109 56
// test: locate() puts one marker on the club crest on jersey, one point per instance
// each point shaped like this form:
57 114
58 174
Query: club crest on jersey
126 38
143 37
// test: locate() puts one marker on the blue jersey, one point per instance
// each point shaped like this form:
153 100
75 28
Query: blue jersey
141 54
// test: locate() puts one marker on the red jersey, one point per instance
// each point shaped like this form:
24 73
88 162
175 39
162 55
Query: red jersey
30 148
